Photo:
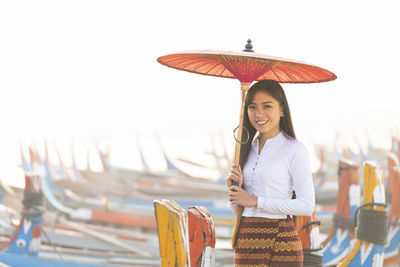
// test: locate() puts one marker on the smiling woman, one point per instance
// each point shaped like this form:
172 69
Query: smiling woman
274 165
266 101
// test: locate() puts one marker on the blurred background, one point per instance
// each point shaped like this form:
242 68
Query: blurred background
84 70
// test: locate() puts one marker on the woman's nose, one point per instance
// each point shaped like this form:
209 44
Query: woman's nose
259 112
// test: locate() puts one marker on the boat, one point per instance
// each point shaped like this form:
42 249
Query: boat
23 247
173 233
309 234
339 240
201 237
368 248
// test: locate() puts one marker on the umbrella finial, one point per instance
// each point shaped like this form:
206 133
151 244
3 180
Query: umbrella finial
249 47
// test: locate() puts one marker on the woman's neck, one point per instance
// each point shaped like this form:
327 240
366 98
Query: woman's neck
262 139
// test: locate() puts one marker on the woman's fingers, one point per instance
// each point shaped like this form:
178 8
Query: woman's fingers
234 189
233 176
231 192
236 172
237 168
233 196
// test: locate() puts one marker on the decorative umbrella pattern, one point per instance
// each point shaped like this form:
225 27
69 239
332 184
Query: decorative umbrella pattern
246 66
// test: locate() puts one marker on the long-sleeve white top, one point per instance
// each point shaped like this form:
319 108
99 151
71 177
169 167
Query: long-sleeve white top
282 167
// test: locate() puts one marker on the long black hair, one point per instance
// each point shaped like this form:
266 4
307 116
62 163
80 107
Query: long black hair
285 124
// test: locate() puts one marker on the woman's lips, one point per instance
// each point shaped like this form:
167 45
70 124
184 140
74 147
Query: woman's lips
261 123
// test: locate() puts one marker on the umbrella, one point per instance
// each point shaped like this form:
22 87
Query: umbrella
246 66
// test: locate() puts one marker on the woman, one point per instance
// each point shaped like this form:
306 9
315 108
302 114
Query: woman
274 165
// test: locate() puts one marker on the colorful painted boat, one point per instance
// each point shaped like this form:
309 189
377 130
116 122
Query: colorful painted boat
172 233
337 245
84 214
185 240
88 214
368 249
201 237
307 227
23 247
128 196
127 188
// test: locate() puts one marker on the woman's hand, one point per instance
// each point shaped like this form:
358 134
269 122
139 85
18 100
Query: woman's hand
235 176
241 197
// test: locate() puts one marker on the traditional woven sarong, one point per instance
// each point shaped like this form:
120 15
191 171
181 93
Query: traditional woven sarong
263 242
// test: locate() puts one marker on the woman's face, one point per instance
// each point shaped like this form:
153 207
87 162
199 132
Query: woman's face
265 113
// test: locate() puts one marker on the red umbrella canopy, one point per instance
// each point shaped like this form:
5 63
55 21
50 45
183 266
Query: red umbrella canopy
246 66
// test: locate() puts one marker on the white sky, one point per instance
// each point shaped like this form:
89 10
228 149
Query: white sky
88 68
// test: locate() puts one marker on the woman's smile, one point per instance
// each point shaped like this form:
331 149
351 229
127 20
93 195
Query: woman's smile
261 123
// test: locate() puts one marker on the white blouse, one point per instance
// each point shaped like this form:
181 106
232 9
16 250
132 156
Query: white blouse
281 167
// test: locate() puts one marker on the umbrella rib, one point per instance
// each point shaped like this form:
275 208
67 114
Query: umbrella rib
218 63
225 59
276 76
206 63
292 70
178 59
184 59
187 63
318 71
220 74
289 76
298 71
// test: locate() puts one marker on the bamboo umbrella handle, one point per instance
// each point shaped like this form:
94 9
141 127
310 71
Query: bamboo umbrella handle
244 87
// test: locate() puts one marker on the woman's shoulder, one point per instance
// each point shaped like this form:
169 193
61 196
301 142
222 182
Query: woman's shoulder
294 145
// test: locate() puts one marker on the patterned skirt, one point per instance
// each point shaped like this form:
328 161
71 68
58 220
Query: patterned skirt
263 242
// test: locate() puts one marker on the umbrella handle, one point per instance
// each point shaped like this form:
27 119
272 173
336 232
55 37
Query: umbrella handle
244 87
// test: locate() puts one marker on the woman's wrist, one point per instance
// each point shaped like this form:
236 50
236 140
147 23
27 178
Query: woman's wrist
255 204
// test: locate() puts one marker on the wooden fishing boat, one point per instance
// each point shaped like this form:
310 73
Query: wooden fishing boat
337 244
201 237
172 233
198 191
23 247
129 218
137 211
85 214
185 240
101 238
308 229
368 249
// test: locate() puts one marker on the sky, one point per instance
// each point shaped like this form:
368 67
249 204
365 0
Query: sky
87 70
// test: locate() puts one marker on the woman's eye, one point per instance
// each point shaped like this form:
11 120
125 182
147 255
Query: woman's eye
267 106
252 107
